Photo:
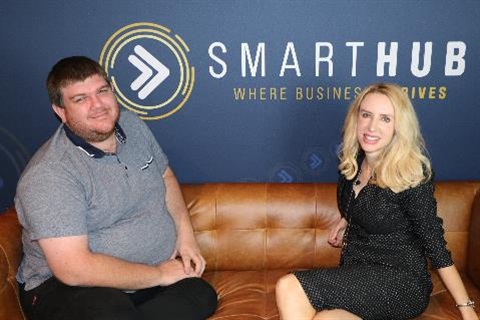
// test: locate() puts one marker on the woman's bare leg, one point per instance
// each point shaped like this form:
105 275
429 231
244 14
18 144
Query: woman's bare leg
292 302
336 314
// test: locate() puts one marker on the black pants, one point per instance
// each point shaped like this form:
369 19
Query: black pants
191 298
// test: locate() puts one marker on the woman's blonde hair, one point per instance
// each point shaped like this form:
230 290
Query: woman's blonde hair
404 162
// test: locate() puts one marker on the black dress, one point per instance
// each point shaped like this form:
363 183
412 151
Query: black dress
383 269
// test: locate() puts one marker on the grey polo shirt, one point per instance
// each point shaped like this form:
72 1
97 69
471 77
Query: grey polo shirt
71 188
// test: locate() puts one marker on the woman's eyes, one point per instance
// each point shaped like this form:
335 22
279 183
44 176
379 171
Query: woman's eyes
385 119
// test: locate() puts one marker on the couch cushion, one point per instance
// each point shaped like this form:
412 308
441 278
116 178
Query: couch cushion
245 295
249 295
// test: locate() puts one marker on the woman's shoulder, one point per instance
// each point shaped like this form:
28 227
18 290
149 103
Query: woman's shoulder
425 187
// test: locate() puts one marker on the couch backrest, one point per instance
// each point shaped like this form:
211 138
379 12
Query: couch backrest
244 226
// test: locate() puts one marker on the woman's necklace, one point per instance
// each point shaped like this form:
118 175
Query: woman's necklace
358 180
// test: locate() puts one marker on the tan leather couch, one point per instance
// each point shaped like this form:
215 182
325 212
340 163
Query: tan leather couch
252 234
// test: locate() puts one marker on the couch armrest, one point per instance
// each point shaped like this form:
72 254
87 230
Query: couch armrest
473 262
10 242
10 254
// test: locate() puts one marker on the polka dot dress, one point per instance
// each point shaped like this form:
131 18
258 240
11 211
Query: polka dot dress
383 269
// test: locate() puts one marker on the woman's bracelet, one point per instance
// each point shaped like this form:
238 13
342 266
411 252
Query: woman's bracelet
470 303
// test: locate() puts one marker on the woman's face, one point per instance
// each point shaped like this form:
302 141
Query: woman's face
375 124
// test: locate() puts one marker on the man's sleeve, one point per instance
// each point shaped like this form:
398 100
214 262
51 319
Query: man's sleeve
50 203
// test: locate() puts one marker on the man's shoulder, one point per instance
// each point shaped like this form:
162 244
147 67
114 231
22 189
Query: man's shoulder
134 127
129 118
49 158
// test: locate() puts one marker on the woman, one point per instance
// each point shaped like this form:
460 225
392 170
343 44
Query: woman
389 224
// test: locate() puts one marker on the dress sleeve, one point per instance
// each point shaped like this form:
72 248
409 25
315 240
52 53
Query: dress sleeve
421 208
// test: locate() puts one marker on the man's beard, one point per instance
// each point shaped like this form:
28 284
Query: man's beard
92 135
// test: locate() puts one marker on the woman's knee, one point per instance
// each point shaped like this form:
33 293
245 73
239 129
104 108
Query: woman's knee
292 301
288 285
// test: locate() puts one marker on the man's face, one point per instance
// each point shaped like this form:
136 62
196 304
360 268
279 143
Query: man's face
90 109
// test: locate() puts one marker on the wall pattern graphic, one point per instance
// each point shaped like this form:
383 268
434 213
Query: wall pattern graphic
245 91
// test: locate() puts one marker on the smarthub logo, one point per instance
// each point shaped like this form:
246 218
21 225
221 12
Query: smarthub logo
149 69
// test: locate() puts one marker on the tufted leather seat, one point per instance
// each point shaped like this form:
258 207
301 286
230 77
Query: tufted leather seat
253 233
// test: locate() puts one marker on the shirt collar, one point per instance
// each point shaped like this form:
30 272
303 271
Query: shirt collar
91 151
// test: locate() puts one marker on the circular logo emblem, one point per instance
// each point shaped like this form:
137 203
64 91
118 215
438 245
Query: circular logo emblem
149 69
16 157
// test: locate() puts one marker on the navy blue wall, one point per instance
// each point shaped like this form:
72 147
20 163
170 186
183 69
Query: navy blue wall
299 64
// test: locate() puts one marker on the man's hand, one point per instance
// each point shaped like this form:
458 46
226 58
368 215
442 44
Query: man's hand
187 250
335 238
172 271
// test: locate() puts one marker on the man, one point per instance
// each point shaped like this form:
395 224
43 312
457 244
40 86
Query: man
106 233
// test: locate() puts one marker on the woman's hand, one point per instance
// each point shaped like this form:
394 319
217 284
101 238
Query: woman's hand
468 313
335 238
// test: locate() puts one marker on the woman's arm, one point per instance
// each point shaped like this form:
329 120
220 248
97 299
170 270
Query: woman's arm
454 284
421 207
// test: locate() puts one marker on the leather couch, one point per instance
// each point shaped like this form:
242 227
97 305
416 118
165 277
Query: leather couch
253 233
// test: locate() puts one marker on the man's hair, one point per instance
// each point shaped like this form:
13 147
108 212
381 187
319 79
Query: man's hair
404 162
68 71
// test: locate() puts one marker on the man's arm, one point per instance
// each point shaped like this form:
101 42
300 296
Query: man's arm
74 264
186 246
